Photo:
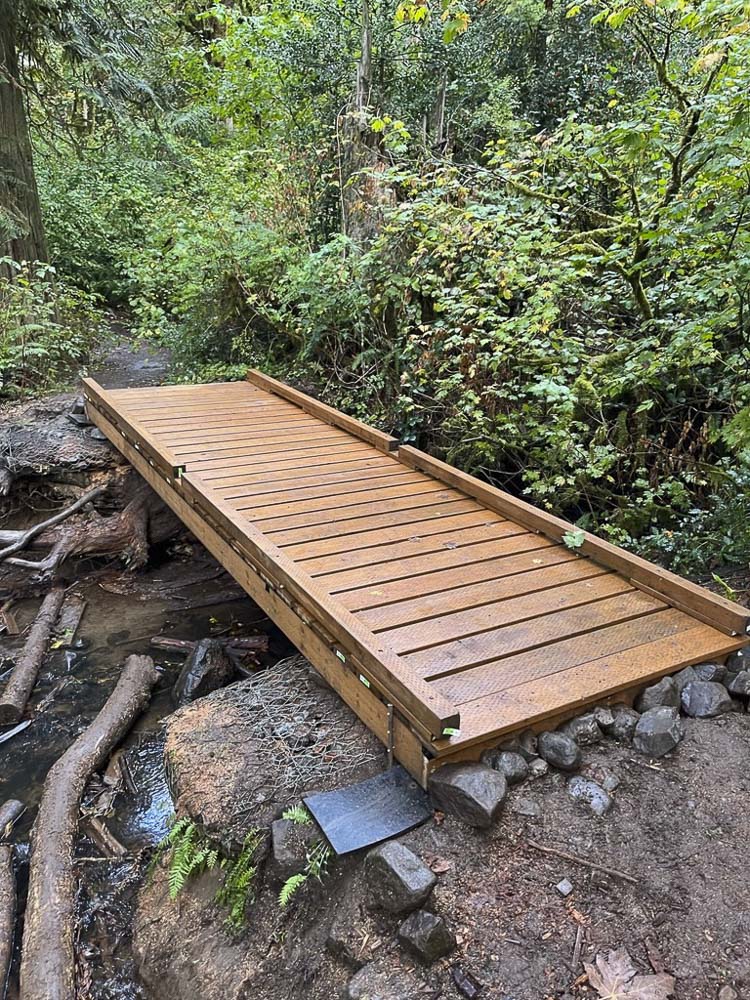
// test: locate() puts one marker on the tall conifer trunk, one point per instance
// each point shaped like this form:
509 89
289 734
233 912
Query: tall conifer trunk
21 228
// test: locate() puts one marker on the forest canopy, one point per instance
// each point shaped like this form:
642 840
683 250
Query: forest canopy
515 232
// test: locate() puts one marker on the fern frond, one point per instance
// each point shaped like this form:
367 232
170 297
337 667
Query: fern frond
289 888
298 814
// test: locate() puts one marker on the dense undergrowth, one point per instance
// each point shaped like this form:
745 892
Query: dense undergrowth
526 249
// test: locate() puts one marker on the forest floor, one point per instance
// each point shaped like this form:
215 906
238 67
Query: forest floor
679 828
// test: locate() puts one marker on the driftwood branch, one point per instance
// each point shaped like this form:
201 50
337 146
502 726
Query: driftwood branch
51 522
256 643
23 676
7 914
578 860
48 962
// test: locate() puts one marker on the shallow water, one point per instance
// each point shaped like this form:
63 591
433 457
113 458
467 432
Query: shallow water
73 685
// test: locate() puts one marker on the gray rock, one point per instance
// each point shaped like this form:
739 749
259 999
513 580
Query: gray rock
560 750
398 881
565 887
380 981
538 768
527 807
739 661
290 845
663 693
585 790
603 717
624 721
97 435
206 669
683 678
710 672
511 765
426 935
523 743
584 730
740 684
728 993
705 699
608 779
659 730
472 792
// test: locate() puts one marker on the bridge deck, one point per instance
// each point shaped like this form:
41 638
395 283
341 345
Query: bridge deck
444 611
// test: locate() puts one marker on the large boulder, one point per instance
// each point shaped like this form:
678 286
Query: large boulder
584 729
236 758
426 935
622 726
560 750
471 792
705 699
739 684
663 693
513 766
591 794
659 730
398 881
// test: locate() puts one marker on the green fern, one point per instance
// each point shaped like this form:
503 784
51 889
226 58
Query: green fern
298 814
316 867
291 886
239 874
191 854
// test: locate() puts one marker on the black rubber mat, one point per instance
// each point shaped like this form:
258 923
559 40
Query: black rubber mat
373 810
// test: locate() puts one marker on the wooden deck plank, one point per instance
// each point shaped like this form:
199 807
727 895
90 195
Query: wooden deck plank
297 475
374 555
460 625
280 490
271 524
476 595
716 610
537 552
374 537
342 527
417 566
178 427
463 654
340 501
592 681
499 675
244 449
216 467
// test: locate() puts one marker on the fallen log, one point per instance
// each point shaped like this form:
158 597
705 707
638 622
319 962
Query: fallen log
7 914
10 813
256 643
101 835
23 676
47 957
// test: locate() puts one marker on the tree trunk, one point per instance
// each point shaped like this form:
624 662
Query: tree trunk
47 957
21 228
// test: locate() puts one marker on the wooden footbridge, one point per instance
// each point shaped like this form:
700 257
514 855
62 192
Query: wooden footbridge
445 612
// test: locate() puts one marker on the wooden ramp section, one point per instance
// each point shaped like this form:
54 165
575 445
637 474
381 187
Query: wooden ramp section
445 612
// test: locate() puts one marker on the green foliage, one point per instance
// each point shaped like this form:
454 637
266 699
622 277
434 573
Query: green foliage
298 814
316 866
47 326
239 874
190 854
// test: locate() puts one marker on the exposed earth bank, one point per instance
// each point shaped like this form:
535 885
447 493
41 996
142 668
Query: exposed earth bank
679 826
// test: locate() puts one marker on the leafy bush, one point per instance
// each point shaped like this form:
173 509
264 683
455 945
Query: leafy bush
47 326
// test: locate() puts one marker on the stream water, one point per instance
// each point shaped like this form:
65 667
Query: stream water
74 683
